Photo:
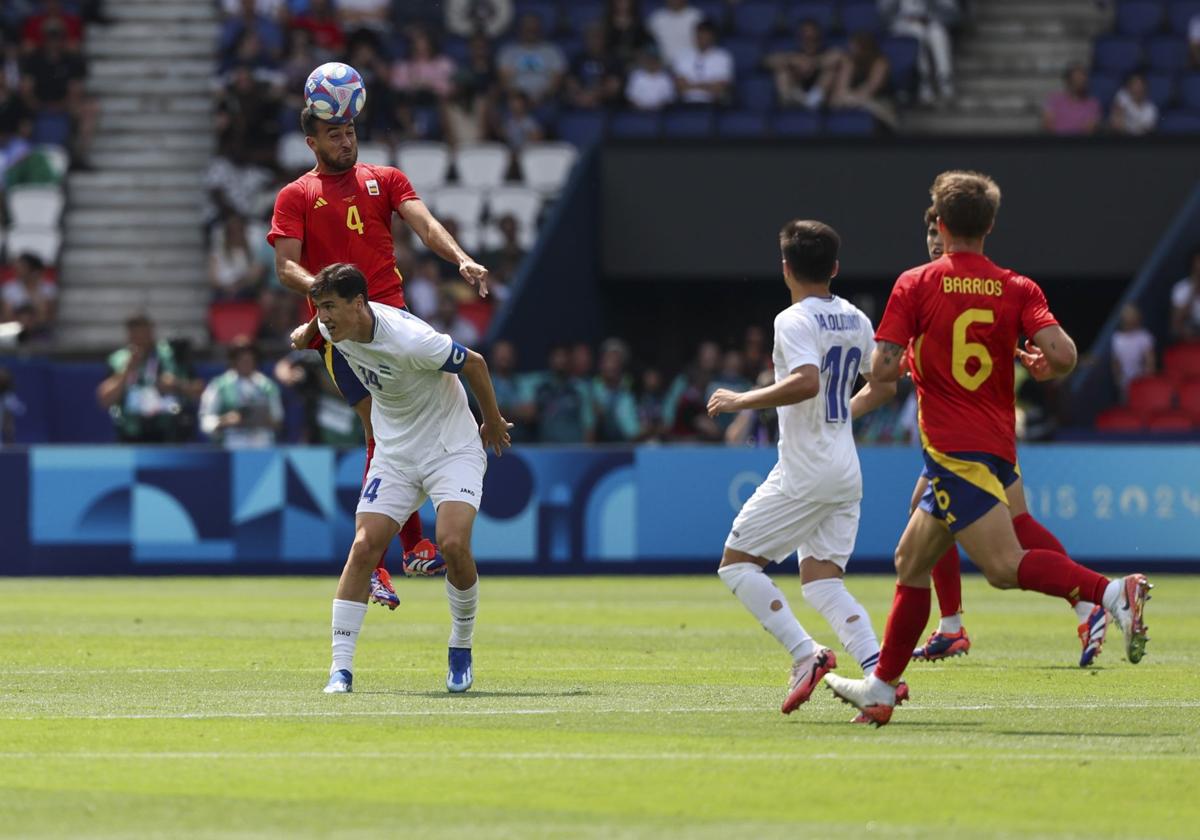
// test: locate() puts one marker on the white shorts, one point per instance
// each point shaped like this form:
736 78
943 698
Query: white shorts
397 493
773 524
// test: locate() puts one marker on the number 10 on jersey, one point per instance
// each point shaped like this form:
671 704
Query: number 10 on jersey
842 376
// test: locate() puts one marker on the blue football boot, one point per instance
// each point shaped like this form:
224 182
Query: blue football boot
340 682
459 678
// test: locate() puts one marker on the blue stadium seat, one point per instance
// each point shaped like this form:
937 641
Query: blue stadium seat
1181 13
756 93
1189 91
796 124
1167 53
1160 87
633 124
52 127
902 56
689 122
1104 86
457 48
713 10
850 123
742 124
547 10
581 13
821 12
427 123
747 54
861 17
1139 17
581 128
1116 54
1179 122
571 45
756 17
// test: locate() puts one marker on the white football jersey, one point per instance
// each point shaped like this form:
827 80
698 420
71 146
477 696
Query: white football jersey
816 441
418 407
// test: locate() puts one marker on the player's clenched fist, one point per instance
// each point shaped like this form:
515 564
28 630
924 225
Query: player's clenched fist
495 435
475 274
723 401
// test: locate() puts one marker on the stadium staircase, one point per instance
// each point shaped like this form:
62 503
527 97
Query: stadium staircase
133 237
1007 61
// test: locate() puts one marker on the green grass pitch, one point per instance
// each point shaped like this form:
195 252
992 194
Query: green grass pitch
602 708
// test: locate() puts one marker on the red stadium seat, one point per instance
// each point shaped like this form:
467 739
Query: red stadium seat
1171 421
233 319
1182 361
1189 399
1119 420
1151 395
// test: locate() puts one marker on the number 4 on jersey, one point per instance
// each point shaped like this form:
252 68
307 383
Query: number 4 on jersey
353 220
371 491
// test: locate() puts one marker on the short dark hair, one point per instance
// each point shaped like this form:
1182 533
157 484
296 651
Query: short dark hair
810 249
341 279
706 25
930 215
32 260
308 122
966 202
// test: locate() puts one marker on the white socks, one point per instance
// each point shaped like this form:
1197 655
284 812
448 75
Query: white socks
347 622
463 603
1083 610
758 593
950 623
847 617
1114 596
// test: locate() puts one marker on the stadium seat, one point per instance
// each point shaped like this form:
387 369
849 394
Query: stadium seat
795 124
756 18
850 123
689 122
747 54
482 164
861 17
1182 362
756 92
375 154
1139 17
1150 395
820 13
44 242
546 166
463 204
1167 54
293 153
1180 13
1119 420
902 56
634 124
1171 421
233 319
52 128
583 13
426 163
1160 87
1189 91
581 129
546 10
35 207
742 124
458 49
522 203
1189 399
1104 86
1179 122
1116 54
713 10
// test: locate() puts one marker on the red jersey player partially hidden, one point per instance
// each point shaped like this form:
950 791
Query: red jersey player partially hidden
963 315
341 212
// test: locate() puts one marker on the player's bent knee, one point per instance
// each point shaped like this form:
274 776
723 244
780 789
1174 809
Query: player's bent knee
455 548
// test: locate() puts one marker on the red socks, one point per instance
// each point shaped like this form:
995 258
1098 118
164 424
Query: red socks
905 623
1031 534
947 582
411 533
1054 573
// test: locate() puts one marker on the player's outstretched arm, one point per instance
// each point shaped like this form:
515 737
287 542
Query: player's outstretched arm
885 362
494 430
439 240
873 395
802 384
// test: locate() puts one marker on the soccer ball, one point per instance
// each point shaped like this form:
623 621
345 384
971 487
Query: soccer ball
335 92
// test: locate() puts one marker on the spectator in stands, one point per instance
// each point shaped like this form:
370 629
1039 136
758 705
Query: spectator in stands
1132 349
704 75
1194 40
532 65
650 87
11 408
421 288
52 80
251 54
928 21
564 409
624 32
863 80
327 418
480 73
367 58
325 31
147 388
1132 111
16 132
612 396
248 116
279 316
804 76
425 76
465 113
757 428
241 407
231 271
1185 304
447 319
595 77
249 19
511 391
730 376
30 288
271 9
365 15
490 18
34 34
583 362
674 29
685 406
300 61
651 426
517 126
1072 110
510 249
755 357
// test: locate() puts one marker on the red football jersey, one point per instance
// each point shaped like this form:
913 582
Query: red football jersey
346 218
964 315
